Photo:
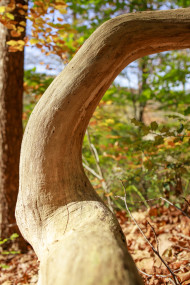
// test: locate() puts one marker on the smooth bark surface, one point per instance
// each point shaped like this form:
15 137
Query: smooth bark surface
11 94
75 236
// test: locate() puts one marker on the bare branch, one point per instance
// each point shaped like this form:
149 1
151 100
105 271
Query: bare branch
154 250
186 201
91 171
183 236
155 235
99 169
161 275
185 214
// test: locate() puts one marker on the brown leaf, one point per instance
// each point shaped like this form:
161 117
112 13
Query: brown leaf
184 276
153 212
15 34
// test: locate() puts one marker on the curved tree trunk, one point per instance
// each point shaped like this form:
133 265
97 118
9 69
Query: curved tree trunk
75 236
11 131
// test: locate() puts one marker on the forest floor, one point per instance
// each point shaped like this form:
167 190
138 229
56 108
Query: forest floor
167 230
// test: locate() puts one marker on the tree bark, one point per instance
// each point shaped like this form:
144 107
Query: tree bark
75 236
11 95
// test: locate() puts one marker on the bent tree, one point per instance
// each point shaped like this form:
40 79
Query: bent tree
76 237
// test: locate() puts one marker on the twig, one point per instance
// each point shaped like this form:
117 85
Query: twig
167 201
160 275
185 214
183 236
185 248
186 200
100 172
154 250
91 171
156 239
148 200
171 280
157 275
84 160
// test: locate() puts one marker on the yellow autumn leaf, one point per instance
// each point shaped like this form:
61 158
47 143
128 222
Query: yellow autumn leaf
21 12
2 9
62 33
55 37
10 16
42 41
61 10
22 23
48 30
10 26
48 40
25 7
39 21
34 41
19 5
20 42
61 2
109 121
38 46
20 48
40 10
10 7
39 3
20 29
12 43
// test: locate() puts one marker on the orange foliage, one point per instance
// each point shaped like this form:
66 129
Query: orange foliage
46 34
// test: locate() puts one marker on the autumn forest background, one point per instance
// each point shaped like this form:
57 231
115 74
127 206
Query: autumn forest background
136 151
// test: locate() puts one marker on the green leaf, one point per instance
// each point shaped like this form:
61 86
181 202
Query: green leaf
13 236
5 252
4 266
154 126
134 188
171 165
187 111
166 185
145 129
136 122
181 128
10 252
164 129
148 164
158 140
146 94
3 241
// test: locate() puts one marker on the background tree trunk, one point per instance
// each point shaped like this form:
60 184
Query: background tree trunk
77 239
11 131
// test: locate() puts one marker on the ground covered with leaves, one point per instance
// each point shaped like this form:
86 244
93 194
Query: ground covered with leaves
167 233
166 240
